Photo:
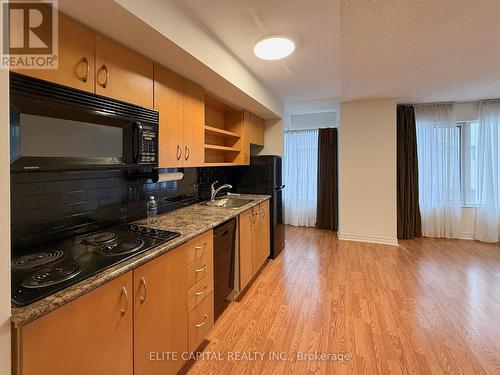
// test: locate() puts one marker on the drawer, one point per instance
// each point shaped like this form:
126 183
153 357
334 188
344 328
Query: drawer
200 245
200 320
200 268
200 291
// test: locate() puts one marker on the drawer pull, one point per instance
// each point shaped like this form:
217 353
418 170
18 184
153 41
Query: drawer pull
205 318
105 83
202 268
145 295
202 292
123 310
201 247
179 152
85 77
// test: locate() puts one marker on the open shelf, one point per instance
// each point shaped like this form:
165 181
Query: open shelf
221 148
222 164
223 133
220 132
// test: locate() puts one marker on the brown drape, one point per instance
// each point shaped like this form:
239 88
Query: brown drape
409 224
327 211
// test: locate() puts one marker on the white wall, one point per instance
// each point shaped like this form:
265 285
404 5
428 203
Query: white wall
5 349
367 171
274 137
313 120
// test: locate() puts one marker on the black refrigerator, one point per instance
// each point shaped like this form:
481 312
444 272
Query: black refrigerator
264 176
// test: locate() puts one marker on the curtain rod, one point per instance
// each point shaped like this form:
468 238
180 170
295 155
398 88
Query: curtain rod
450 102
304 129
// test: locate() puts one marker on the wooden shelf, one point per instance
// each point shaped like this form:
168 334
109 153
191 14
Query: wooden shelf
221 148
221 164
221 132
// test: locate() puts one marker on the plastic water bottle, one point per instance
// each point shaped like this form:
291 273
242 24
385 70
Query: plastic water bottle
152 210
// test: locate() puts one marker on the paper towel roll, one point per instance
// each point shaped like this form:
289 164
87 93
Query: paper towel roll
171 176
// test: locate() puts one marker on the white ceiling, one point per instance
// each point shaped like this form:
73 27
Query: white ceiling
420 51
311 72
411 50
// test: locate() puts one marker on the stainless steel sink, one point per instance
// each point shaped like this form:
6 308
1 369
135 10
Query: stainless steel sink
229 202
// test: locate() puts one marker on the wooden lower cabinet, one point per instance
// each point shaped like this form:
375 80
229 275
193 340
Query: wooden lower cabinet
246 239
89 335
261 250
160 314
200 321
254 241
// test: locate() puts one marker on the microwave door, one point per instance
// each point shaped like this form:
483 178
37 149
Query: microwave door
58 128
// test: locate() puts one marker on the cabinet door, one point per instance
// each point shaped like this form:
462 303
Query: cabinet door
90 335
160 313
262 243
168 102
193 125
258 133
255 128
122 73
246 239
75 57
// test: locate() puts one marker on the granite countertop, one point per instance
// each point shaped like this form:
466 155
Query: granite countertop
189 221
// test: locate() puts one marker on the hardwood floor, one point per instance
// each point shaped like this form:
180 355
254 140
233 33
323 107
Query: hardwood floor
431 306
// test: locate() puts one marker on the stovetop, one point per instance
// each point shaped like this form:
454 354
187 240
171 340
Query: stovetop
47 270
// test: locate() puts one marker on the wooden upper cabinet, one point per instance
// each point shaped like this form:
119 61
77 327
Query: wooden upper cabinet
122 73
75 57
255 128
193 124
90 335
246 239
160 313
168 94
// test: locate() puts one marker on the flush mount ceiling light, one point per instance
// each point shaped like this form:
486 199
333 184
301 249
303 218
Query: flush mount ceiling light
274 48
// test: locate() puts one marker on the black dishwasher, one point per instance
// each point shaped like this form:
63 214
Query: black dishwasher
224 253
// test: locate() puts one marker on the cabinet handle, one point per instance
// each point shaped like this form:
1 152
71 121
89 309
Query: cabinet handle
202 268
124 295
105 83
202 292
245 156
179 152
85 61
259 212
201 247
205 318
145 286
187 152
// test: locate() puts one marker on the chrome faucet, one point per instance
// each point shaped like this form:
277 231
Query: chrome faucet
214 191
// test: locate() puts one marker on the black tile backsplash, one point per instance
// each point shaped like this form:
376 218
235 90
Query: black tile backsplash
47 206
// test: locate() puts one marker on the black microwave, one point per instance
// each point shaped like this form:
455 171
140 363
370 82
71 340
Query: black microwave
53 127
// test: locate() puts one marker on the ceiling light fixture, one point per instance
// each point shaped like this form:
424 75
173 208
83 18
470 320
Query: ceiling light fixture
274 48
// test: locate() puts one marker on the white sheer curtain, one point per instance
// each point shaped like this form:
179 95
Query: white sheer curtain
300 174
488 213
439 159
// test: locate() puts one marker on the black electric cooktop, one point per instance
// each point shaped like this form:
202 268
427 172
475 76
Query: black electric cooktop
43 272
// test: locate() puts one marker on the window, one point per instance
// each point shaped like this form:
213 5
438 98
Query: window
469 164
